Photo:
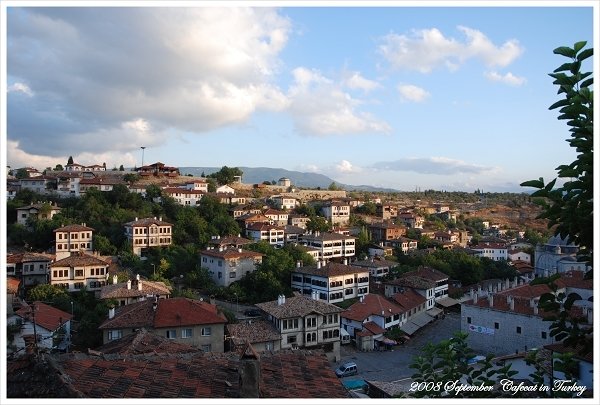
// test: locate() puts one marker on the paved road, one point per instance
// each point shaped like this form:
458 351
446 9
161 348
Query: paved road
393 365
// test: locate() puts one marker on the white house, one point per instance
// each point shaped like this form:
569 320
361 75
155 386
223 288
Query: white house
72 239
52 326
228 265
493 251
330 245
148 232
331 282
78 271
38 210
336 212
305 323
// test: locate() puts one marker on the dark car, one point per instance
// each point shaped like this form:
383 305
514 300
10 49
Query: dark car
252 312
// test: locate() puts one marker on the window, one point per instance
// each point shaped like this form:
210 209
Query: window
518 329
115 334
311 322
186 333
205 348
496 325
544 335
78 273
468 319
291 339
232 274
206 331
171 334
311 337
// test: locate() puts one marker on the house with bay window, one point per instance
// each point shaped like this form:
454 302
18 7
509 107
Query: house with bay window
226 265
305 323
78 271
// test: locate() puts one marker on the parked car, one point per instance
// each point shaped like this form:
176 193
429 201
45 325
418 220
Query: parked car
252 312
346 369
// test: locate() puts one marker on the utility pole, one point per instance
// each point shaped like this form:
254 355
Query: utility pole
35 346
142 147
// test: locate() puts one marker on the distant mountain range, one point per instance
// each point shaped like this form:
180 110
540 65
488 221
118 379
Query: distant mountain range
255 175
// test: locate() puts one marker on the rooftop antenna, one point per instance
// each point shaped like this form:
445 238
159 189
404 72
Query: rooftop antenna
142 147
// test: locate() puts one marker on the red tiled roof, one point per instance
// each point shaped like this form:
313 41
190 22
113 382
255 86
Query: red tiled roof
373 328
169 312
575 279
257 226
28 257
372 304
175 190
526 291
185 311
79 259
409 299
148 222
12 285
283 374
427 273
73 228
47 317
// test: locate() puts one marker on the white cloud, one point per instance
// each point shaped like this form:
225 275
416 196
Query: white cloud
507 78
413 93
427 49
93 69
320 107
357 82
20 88
345 166
433 165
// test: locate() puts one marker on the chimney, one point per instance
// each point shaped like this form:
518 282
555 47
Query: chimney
345 261
160 218
136 218
279 301
249 373
282 299
318 264
298 264
479 289
111 313
137 277
475 298
507 284
129 284
491 300
139 285
115 279
240 250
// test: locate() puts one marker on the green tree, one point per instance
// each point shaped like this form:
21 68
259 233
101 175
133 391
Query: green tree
131 177
226 175
570 207
153 191
448 362
58 168
103 245
22 173
46 293
121 168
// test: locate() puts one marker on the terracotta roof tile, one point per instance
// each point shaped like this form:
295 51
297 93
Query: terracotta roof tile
46 316
79 259
254 332
73 228
120 290
297 306
231 253
409 299
372 304
148 222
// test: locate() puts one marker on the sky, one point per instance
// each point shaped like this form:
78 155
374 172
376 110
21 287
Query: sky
400 96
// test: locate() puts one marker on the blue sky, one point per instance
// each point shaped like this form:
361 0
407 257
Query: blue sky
449 98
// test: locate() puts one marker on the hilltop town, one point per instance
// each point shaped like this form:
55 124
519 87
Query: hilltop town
263 290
